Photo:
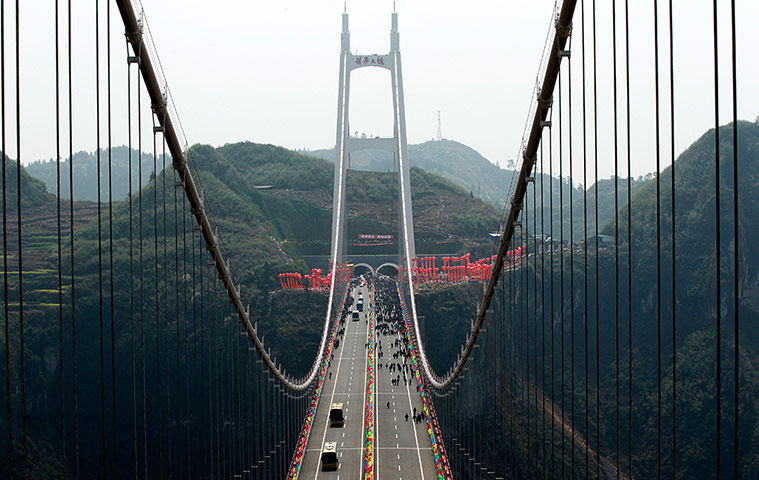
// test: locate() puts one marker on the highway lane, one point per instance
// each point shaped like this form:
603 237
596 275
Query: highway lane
346 383
403 446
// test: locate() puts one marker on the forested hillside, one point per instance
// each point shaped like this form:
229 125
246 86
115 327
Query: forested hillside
265 232
468 169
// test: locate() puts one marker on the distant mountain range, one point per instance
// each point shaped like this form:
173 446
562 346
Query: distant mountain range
452 160
449 159
465 167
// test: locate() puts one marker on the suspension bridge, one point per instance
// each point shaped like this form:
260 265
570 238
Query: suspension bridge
131 350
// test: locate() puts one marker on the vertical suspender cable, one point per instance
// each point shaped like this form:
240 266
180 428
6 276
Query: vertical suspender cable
736 264
571 261
214 380
194 357
131 266
502 384
20 250
542 300
219 382
176 311
110 248
157 309
658 249
60 241
183 423
585 234
538 410
142 278
551 292
629 247
674 250
718 252
164 174
561 264
616 235
222 374
5 247
595 221
71 246
236 396
203 404
527 382
100 238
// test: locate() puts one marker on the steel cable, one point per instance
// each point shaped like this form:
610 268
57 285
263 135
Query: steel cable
71 241
5 246
100 237
142 279
658 251
629 245
585 237
736 263
131 265
718 250
22 343
156 300
595 204
674 242
616 235
59 242
110 243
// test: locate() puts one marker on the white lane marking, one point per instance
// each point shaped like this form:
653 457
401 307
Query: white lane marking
326 422
416 438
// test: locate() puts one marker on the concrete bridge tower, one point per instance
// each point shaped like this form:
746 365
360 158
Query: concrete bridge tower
347 144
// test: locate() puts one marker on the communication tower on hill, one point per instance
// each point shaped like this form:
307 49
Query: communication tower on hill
439 129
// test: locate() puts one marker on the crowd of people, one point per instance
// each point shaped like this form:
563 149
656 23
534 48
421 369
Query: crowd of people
393 352
390 335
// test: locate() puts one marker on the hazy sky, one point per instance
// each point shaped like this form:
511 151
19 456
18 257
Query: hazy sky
267 71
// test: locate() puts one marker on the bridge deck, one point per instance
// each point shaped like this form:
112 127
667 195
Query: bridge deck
402 448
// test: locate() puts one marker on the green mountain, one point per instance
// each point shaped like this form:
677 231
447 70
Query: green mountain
695 311
465 167
451 160
697 298
299 200
565 324
266 231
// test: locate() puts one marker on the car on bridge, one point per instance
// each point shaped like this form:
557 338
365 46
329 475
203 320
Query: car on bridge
336 416
354 317
329 456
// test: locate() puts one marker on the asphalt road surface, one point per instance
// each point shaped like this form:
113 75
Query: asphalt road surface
402 447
